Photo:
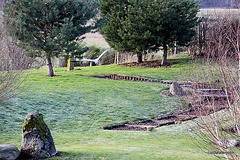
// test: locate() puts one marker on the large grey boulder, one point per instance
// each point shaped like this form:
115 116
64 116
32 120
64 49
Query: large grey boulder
176 89
8 152
37 140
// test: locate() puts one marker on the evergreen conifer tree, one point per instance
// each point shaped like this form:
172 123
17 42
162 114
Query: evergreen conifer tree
50 27
142 26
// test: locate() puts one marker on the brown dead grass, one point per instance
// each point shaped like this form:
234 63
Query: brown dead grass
94 37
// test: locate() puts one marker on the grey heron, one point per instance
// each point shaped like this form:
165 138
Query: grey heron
95 60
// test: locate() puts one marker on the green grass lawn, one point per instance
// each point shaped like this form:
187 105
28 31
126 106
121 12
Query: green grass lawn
75 107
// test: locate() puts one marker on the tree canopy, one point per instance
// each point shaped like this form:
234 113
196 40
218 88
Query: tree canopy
142 26
51 27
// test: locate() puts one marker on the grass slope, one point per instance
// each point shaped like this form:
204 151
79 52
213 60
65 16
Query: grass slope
75 106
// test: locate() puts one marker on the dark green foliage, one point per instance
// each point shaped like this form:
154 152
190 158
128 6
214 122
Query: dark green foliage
142 26
50 26
108 6
93 52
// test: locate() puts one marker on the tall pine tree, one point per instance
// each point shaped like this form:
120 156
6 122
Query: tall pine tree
142 26
50 27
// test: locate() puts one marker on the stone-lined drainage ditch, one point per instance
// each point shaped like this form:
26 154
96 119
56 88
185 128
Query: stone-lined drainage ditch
168 118
141 79
162 120
149 125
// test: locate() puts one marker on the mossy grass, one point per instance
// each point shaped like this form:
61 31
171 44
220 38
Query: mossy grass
75 106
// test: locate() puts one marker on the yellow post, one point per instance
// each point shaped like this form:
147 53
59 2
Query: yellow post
70 63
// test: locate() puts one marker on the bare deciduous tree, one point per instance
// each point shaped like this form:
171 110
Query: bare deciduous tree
217 88
13 62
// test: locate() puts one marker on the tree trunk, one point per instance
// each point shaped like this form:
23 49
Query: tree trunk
50 68
164 60
139 57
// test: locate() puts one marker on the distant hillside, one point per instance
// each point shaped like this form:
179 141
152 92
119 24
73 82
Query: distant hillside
220 3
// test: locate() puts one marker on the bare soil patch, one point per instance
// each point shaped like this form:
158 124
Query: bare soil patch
52 76
172 118
230 130
150 64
